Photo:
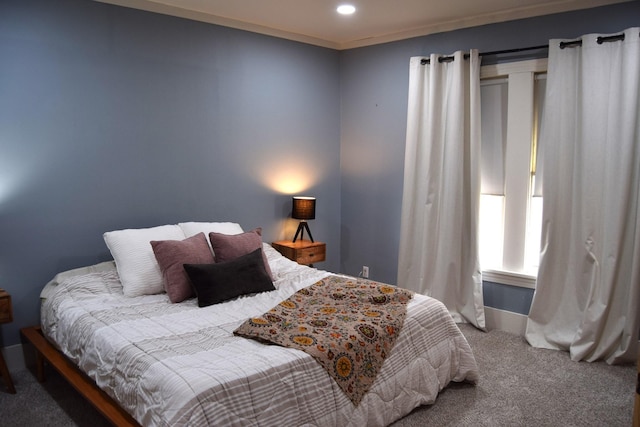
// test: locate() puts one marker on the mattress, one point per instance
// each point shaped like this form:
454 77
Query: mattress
178 364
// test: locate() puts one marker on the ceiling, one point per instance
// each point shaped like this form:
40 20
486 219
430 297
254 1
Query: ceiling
375 21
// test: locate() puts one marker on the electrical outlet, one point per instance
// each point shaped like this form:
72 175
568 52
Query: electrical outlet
365 271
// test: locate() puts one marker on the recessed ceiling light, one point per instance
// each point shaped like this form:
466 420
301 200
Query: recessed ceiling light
346 9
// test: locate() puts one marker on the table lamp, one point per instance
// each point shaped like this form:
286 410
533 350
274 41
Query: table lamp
304 208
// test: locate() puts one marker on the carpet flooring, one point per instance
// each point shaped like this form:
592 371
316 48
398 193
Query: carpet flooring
519 386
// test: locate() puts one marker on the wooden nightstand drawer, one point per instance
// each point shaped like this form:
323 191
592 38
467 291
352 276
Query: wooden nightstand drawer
311 255
6 312
302 251
6 316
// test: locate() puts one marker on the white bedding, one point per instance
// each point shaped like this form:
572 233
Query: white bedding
177 364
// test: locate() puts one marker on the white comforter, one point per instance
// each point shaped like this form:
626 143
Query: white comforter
177 364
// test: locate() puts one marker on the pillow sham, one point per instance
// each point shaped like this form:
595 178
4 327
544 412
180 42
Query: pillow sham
136 264
229 247
172 254
222 281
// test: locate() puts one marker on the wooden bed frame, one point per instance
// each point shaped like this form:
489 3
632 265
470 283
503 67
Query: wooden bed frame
46 352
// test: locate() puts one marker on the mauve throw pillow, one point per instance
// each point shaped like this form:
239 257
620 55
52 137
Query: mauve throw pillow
222 281
227 247
172 255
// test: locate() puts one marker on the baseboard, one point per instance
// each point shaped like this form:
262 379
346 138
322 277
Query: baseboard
503 320
14 357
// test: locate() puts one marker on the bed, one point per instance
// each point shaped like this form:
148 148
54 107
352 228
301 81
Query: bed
178 363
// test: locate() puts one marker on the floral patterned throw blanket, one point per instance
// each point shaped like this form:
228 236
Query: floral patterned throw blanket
348 325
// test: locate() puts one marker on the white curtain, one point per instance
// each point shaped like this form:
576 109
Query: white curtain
587 298
438 253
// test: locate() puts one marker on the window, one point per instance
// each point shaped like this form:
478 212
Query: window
512 100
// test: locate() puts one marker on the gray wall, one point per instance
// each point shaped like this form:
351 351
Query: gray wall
374 82
116 118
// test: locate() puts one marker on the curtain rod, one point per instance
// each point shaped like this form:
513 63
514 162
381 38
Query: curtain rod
574 43
495 52
599 40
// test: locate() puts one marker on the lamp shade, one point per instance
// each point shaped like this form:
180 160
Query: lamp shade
304 208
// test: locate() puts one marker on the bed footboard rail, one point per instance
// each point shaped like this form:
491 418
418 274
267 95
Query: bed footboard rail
46 352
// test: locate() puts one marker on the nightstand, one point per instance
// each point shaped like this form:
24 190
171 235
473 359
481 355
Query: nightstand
6 316
302 251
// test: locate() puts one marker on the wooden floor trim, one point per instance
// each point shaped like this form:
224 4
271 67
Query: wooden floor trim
45 351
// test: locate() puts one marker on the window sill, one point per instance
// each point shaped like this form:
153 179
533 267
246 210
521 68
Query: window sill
509 278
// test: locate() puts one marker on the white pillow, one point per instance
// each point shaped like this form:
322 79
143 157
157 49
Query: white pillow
193 228
137 266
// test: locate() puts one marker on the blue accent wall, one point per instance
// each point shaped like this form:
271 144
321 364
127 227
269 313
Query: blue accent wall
118 118
115 118
509 298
